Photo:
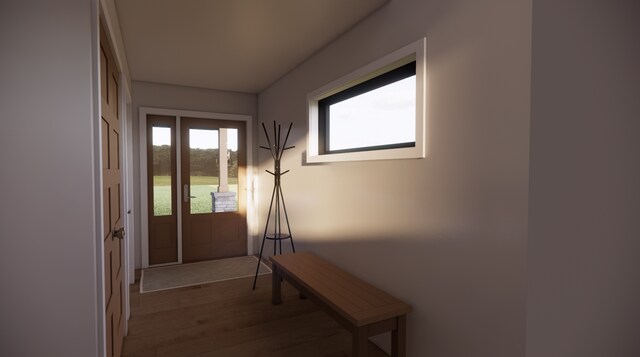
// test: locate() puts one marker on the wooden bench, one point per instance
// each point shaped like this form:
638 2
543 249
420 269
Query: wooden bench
361 308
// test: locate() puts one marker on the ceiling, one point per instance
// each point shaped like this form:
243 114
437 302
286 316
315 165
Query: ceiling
234 45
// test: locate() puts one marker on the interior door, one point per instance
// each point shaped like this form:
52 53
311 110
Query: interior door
213 175
113 222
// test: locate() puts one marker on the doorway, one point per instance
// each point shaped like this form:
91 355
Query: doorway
196 180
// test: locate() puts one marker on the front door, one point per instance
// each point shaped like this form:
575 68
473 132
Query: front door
112 200
213 175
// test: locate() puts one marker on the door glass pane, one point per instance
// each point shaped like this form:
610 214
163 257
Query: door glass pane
232 170
203 169
161 144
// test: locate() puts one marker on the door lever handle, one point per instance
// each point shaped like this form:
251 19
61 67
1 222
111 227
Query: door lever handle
185 193
118 233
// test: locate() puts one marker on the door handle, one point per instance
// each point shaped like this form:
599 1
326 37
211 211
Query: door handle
185 193
118 233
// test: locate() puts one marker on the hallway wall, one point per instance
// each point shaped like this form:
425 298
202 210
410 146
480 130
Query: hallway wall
583 257
48 233
446 233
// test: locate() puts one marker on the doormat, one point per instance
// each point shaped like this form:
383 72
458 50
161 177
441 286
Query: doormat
178 276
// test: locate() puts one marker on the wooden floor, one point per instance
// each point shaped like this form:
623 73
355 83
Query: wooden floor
228 319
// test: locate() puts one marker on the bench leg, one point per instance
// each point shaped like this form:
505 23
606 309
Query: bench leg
360 342
276 297
399 338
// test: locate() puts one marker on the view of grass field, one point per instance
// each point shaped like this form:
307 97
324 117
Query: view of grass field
201 188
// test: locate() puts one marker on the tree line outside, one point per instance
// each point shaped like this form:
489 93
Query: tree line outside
203 162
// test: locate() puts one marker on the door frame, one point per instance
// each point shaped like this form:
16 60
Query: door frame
129 197
251 196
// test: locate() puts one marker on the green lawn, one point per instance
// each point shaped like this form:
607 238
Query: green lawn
195 180
201 188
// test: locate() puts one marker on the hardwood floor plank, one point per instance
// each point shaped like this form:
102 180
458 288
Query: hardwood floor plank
229 319
258 339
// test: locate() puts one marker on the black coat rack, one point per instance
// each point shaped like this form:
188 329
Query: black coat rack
277 205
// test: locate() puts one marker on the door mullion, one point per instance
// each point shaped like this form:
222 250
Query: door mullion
179 183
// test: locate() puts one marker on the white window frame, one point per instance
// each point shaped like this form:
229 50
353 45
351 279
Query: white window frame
415 51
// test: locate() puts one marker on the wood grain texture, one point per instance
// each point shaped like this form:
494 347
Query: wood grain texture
229 319
356 301
112 197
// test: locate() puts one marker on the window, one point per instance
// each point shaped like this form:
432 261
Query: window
374 113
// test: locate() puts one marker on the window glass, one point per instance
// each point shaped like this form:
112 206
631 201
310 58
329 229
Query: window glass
161 145
203 169
213 170
380 117
232 167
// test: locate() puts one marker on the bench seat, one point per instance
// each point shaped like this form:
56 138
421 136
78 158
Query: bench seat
360 307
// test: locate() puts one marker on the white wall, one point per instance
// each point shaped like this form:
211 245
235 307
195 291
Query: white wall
447 233
167 96
48 278
584 236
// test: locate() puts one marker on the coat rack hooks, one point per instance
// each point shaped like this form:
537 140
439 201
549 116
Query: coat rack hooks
277 205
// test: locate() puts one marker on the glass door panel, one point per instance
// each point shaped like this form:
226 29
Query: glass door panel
213 170
230 200
162 195
204 169
161 169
